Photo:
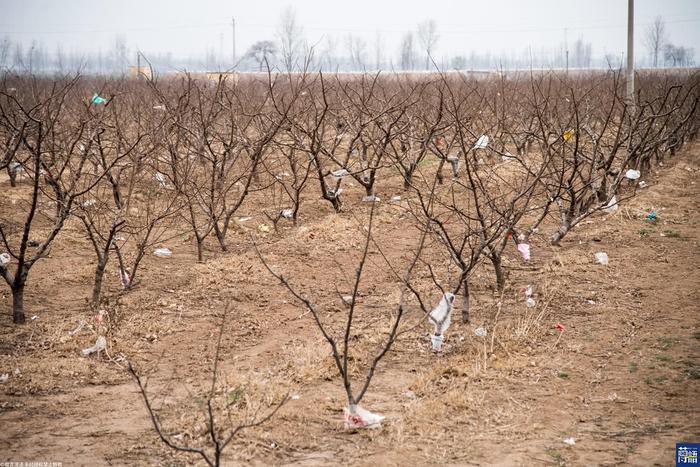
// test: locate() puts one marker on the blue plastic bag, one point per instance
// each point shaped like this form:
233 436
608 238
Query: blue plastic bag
96 99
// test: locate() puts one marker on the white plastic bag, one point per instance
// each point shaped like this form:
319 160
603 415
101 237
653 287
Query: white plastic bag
163 253
357 417
611 206
4 259
287 213
454 162
124 276
161 179
529 292
340 173
100 345
482 142
633 174
442 313
601 258
436 342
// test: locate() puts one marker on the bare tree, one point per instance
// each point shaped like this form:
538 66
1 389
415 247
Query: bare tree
655 39
356 51
341 339
678 55
290 35
216 436
428 37
59 174
407 54
582 54
5 46
261 52
378 51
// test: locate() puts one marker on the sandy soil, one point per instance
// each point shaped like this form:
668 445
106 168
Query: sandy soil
621 379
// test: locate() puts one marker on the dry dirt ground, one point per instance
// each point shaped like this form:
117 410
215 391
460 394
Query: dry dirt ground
622 378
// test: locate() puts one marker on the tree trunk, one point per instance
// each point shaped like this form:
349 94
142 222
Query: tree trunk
559 234
220 236
408 178
498 268
200 250
99 275
18 302
13 177
465 301
440 177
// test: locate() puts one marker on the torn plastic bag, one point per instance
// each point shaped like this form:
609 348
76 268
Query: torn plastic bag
357 417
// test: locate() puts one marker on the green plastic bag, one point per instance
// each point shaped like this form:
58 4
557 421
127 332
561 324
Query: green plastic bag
96 99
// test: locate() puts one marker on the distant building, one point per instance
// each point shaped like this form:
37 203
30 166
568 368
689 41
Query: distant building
135 71
230 76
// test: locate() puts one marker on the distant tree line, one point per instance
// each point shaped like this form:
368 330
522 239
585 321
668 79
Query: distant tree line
290 50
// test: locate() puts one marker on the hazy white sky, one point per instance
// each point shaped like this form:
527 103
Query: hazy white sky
190 27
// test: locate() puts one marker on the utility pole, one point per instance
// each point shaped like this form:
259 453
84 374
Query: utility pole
233 29
221 51
630 52
566 47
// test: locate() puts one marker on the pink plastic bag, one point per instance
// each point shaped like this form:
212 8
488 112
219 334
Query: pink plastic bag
524 250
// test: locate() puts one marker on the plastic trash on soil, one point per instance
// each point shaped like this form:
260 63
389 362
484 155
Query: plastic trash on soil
611 206
77 329
100 345
633 174
524 250
340 173
124 277
454 162
371 199
643 184
569 441
287 213
601 258
332 194
480 332
4 259
529 292
161 179
16 167
357 417
159 107
90 202
163 253
396 198
436 342
482 142
442 314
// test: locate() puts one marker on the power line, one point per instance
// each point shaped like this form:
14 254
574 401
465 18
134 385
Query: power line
466 29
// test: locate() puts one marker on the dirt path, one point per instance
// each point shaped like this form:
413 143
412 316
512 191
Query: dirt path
622 379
